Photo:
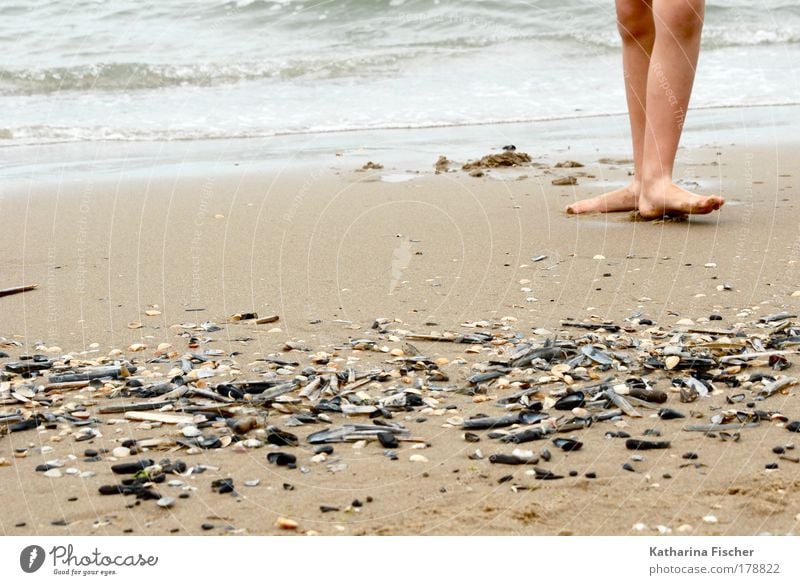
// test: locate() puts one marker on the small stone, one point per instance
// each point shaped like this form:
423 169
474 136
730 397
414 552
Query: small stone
190 431
767 466
121 452
684 528
715 317
710 519
710 265
689 455
686 322
252 482
598 257
671 361
416 458
166 502
53 473
639 527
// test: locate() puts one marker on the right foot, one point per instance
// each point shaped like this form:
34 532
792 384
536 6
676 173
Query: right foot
623 199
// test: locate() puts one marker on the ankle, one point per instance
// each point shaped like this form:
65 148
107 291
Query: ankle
656 181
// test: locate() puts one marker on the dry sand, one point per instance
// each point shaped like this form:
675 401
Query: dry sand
329 250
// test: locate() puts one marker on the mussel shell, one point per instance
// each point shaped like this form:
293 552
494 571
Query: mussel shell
570 401
567 444
281 438
794 426
639 445
669 414
281 459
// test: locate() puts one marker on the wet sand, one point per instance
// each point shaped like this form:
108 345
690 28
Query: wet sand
331 249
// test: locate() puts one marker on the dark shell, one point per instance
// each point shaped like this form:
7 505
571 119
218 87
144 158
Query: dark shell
794 426
567 444
281 459
570 401
281 438
669 414
638 445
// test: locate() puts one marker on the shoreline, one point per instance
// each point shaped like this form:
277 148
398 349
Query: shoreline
412 150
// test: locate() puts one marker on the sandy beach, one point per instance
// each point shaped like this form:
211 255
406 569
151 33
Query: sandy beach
330 248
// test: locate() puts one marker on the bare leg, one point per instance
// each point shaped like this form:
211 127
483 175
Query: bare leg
637 29
673 63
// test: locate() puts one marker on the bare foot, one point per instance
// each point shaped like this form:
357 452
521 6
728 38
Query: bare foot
624 199
665 198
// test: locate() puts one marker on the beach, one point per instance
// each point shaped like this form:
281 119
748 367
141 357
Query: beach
329 246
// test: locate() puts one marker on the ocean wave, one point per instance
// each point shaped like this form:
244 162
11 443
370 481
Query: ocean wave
140 76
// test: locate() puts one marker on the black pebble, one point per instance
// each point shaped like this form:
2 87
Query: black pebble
794 426
326 509
715 317
666 476
771 466
591 475
357 503
288 487
690 455
327 449
131 468
72 499
545 454
388 440
128 531
90 453
207 526
505 478
573 473
184 496
369 499
20 525
59 523
645 321
778 450
628 467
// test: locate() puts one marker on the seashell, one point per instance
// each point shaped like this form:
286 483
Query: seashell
286 523
152 312
417 458
166 502
671 362
570 401
567 444
191 431
669 414
121 452
135 325
281 459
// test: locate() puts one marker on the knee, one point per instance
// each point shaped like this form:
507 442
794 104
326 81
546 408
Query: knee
683 20
635 21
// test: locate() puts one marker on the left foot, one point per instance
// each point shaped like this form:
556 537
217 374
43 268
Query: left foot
665 198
